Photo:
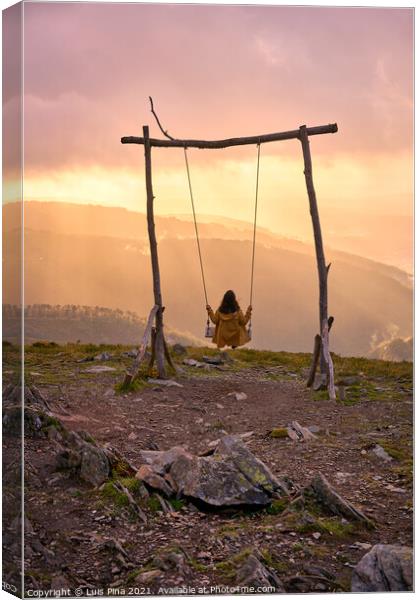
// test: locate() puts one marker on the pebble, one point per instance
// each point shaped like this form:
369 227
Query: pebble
396 490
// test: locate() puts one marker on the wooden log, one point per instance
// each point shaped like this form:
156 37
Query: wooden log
130 375
160 358
239 141
328 360
316 225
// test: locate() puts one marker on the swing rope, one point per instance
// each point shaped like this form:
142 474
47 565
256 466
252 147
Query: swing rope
195 225
255 225
254 230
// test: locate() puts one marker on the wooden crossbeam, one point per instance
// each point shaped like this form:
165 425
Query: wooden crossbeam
240 141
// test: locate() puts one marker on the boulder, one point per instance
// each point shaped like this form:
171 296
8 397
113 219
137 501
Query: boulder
36 410
230 476
256 472
386 568
253 574
94 467
79 453
215 482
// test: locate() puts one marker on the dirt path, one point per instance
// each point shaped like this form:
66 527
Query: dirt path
71 520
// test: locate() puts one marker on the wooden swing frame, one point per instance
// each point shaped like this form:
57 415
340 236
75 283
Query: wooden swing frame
159 346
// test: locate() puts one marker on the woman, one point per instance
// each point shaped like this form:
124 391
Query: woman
230 322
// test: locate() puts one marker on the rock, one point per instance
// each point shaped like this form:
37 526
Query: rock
216 483
12 421
179 349
190 362
100 369
238 395
154 480
37 411
104 356
175 560
249 465
94 467
80 453
68 458
361 546
131 353
213 360
85 359
330 499
381 453
230 476
314 428
396 490
386 568
148 576
161 461
301 584
165 382
253 574
298 433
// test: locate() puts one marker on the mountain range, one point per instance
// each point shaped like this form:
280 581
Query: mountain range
98 256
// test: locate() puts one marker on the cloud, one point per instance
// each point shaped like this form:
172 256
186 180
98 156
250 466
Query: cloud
214 71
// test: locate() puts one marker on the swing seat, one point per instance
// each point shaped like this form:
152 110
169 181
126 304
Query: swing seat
209 331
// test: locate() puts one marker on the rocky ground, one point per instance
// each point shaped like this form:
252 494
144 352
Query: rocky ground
86 537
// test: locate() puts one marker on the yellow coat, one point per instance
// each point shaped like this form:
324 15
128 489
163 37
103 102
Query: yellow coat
230 328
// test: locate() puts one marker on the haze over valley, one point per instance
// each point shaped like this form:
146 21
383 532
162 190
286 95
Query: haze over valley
98 256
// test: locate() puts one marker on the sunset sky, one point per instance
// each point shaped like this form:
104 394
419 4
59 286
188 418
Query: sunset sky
215 72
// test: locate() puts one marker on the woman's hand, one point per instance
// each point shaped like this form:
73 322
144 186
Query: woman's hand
249 308
208 308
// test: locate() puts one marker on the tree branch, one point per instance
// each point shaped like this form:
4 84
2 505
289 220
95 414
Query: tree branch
165 133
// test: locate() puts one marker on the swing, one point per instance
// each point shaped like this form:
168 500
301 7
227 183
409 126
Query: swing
209 330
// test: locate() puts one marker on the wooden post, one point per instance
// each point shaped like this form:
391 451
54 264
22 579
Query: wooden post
320 258
160 350
315 359
131 373
316 355
328 360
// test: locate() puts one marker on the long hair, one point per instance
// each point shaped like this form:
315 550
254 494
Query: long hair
229 303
